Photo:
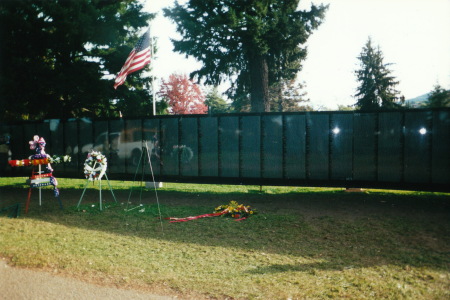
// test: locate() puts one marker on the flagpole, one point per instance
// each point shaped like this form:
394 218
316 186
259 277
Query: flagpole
153 72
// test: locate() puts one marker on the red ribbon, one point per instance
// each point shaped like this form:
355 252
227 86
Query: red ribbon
41 176
176 220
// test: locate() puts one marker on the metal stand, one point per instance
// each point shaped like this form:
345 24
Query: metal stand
40 172
145 152
100 190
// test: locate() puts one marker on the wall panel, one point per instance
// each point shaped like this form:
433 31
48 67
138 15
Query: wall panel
407 149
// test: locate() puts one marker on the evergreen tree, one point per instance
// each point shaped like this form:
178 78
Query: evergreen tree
376 84
439 97
342 107
58 58
287 95
216 104
253 42
240 102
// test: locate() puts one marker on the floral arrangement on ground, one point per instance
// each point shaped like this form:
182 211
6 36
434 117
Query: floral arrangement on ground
236 210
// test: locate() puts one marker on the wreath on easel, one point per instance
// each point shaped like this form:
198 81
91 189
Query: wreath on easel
95 166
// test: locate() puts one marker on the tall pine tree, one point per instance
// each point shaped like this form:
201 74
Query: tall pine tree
438 97
254 42
376 84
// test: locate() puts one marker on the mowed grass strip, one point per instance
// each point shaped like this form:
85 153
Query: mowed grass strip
310 243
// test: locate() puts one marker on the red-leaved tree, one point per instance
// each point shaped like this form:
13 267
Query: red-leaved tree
183 95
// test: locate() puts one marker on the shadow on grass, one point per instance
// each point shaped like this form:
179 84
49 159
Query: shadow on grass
279 268
339 230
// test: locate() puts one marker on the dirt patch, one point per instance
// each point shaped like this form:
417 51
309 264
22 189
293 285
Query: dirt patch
30 284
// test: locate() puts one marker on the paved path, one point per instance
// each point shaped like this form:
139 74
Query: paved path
18 284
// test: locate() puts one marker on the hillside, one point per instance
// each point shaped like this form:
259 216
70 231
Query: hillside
417 101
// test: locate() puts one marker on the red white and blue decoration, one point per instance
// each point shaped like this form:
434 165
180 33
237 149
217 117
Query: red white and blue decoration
42 177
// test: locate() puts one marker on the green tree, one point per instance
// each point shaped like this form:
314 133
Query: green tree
253 43
376 84
342 107
216 104
438 97
287 95
58 58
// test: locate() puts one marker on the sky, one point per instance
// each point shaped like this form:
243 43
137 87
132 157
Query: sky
413 35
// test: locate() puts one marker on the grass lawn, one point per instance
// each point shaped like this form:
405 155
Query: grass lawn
304 243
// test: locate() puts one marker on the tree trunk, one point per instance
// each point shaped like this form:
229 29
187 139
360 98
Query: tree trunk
280 97
259 90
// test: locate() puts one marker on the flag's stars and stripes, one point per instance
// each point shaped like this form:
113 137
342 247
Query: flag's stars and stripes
138 58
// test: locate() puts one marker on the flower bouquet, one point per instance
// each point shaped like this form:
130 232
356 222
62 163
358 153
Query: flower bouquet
235 210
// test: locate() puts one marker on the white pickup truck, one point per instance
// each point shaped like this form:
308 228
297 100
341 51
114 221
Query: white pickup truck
122 145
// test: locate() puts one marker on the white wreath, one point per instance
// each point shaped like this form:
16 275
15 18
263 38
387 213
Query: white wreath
95 166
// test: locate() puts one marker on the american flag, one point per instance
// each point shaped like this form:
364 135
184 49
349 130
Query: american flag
138 58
